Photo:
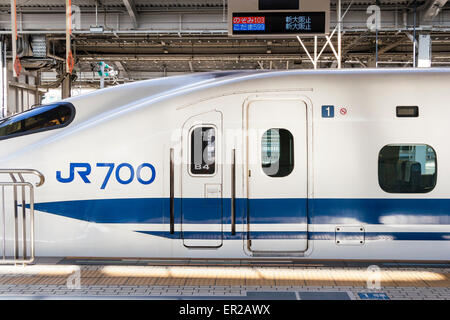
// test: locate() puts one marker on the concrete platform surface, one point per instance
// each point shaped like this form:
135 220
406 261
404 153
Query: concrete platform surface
76 278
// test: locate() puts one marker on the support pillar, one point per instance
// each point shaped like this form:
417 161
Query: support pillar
424 55
3 102
339 21
66 86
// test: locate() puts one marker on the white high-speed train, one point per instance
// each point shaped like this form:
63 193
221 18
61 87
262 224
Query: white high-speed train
243 165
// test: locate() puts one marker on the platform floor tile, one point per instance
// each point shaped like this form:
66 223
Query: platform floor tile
138 279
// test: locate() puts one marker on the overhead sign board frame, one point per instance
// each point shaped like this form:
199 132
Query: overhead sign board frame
278 18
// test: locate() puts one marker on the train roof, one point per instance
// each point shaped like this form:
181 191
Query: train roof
192 79
142 92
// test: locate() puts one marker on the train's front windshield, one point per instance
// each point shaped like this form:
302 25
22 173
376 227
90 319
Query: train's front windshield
36 120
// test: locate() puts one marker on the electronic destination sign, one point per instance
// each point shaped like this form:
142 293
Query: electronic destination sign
278 23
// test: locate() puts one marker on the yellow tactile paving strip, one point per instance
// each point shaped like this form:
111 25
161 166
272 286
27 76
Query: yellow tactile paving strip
221 276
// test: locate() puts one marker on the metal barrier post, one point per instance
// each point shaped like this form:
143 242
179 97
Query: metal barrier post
24 222
4 222
16 214
23 184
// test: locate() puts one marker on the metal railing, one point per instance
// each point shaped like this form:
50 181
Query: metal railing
11 221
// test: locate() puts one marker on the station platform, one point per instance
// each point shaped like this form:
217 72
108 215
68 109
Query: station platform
80 278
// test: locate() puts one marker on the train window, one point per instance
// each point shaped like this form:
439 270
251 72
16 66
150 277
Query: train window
407 112
277 148
407 168
203 151
38 119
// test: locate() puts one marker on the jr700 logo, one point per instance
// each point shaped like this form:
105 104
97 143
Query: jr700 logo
122 170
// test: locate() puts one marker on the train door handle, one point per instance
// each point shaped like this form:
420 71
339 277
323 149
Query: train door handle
172 194
233 192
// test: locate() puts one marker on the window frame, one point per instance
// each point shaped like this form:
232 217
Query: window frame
59 126
293 153
408 145
203 125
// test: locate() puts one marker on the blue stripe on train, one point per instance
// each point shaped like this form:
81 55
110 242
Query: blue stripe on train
292 235
320 211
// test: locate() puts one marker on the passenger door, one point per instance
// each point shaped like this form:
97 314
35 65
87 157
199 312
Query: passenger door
277 162
201 181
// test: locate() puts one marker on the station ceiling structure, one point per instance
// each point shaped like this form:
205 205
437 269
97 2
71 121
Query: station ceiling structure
142 39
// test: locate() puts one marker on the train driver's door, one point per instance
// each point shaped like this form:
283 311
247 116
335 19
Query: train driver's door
201 181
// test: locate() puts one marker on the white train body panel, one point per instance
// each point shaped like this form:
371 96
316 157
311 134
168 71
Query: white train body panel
330 206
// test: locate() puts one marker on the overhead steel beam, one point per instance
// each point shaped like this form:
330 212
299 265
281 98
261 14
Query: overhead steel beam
131 8
372 62
122 69
391 46
182 58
